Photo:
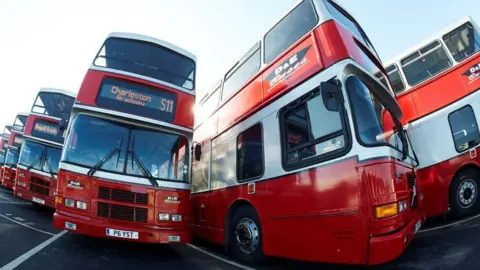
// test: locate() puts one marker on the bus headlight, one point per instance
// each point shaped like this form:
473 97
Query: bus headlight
387 210
81 205
402 206
69 202
163 216
176 217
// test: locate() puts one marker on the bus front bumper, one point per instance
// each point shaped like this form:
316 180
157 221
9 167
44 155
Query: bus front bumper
107 228
389 247
35 198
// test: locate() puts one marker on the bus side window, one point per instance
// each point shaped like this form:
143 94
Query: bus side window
311 133
463 41
464 127
250 160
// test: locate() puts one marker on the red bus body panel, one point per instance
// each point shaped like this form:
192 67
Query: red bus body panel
8 179
93 222
93 79
438 92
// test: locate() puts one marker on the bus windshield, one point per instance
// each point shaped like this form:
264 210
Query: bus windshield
2 158
374 124
19 123
147 59
53 104
11 158
120 148
40 157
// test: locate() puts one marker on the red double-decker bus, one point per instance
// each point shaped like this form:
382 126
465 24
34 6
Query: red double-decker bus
292 158
13 146
42 146
3 148
436 83
124 170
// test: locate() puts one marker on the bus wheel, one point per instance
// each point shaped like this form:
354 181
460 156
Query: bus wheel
245 236
464 193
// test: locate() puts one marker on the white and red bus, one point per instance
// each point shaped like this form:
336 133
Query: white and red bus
40 152
436 84
3 149
13 146
292 158
124 170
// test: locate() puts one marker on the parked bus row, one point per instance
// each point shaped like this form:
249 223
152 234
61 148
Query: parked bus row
306 139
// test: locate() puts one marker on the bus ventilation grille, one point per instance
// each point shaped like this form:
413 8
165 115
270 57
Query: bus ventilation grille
40 190
122 196
38 181
411 178
121 212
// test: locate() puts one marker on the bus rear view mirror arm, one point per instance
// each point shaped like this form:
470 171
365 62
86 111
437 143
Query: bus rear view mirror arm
197 151
329 93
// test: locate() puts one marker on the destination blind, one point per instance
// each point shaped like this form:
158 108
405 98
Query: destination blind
47 131
137 99
17 141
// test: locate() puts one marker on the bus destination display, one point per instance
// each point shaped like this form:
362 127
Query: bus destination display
46 130
137 99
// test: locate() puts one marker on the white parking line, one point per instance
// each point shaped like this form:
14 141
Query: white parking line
220 258
11 265
25 225
24 203
449 225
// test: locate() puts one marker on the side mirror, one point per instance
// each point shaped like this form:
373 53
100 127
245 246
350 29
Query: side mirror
329 92
197 152
63 124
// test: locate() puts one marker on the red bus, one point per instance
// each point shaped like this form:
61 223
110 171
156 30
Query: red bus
124 170
40 152
11 156
291 156
3 148
436 84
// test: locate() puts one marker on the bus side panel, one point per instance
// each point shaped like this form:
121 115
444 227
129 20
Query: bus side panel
435 182
241 105
470 73
93 80
297 65
317 215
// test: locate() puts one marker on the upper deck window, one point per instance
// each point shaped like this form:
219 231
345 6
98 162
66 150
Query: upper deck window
53 104
291 28
19 123
425 63
208 106
349 22
395 78
463 41
237 77
148 60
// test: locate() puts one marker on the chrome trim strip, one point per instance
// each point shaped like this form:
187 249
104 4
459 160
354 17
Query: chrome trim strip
131 116
52 143
32 170
46 116
124 178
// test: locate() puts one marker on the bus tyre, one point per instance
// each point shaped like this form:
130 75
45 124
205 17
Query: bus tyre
464 193
245 236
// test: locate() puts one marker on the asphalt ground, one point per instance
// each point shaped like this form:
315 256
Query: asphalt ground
28 241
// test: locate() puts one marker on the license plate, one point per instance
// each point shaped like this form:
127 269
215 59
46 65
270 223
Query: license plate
70 226
37 200
122 234
418 225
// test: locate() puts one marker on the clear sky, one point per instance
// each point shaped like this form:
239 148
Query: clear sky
50 43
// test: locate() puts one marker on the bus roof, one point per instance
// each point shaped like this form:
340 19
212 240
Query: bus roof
57 91
155 41
428 40
23 114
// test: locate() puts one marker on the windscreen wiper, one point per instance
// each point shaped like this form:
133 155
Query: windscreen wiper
140 164
50 168
99 164
39 159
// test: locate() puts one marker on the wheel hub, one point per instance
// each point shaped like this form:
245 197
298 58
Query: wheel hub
467 193
247 235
